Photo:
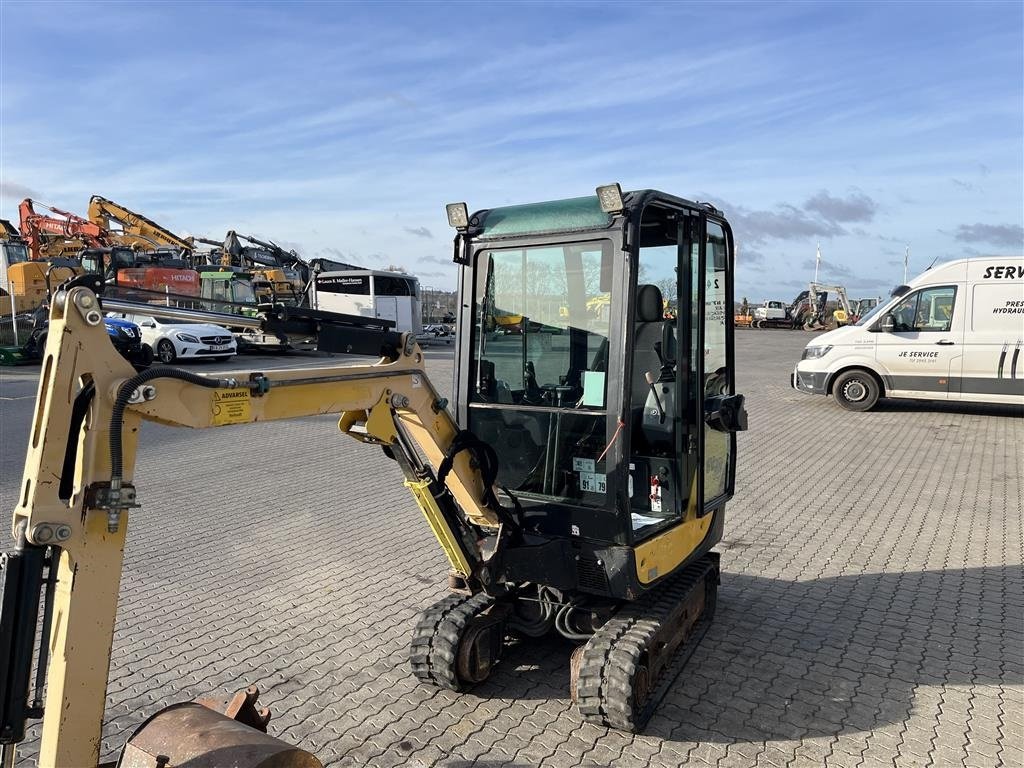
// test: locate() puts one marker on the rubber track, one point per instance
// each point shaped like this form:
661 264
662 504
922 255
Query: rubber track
605 687
435 641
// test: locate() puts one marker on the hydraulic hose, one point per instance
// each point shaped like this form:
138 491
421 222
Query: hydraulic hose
124 395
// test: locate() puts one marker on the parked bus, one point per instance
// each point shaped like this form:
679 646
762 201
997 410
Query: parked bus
370 293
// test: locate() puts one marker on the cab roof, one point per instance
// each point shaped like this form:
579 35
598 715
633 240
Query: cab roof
574 214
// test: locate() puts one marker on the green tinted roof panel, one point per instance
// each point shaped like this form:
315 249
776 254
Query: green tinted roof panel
574 214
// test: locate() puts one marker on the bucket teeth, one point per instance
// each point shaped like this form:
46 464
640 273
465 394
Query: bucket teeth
242 708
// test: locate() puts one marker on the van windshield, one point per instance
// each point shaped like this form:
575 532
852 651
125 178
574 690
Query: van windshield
870 316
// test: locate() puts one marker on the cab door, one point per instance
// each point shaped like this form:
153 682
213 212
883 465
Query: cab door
920 343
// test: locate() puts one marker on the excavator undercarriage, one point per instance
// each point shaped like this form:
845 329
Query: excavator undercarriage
577 482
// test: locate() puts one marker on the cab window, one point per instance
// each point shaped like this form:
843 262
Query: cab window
930 309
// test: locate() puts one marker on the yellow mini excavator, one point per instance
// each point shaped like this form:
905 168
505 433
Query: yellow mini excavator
577 483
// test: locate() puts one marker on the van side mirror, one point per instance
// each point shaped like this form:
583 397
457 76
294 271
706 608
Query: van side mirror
888 325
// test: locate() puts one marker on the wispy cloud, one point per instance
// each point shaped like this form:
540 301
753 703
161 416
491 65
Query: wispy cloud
420 232
854 207
12 191
1010 235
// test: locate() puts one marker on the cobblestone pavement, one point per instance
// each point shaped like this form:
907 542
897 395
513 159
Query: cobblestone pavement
870 611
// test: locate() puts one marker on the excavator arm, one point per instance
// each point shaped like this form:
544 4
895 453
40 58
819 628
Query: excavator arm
130 228
78 492
41 231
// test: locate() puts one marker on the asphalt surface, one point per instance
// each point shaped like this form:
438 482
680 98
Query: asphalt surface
871 610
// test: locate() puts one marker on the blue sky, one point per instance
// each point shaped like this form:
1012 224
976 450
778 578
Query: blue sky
342 129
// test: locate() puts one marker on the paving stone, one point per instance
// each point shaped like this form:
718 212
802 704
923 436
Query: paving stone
870 611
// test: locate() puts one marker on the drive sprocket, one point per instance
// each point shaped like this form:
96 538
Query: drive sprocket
456 644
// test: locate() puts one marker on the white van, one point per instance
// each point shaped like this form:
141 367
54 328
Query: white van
955 333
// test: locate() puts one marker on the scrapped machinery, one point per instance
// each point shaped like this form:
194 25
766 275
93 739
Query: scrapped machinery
126 227
577 483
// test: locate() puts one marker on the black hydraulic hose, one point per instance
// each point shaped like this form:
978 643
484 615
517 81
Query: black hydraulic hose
78 411
1002 359
124 395
1013 362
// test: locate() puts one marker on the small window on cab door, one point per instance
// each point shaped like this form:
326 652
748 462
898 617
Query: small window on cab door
927 310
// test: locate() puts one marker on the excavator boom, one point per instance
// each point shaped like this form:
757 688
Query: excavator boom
389 403
130 228
49 235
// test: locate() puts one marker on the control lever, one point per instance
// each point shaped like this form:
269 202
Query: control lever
654 391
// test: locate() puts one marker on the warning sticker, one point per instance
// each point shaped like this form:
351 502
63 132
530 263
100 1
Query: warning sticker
582 465
230 406
594 482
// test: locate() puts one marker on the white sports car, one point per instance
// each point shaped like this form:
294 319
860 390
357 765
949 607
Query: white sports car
171 340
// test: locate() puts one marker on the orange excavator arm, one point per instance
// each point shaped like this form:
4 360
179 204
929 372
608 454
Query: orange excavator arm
41 231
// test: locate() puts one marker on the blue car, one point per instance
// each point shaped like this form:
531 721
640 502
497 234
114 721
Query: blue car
125 336
127 339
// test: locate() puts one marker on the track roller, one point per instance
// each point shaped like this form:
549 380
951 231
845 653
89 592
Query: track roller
458 641
622 673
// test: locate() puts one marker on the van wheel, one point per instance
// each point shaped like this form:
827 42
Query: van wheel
856 390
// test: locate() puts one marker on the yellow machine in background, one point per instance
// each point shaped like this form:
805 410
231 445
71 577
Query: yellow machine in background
126 227
23 282
544 533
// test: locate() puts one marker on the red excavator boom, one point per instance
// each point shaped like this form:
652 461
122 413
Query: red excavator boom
43 232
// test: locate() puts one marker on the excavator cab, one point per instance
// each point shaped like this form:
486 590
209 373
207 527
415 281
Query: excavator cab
595 358
611 403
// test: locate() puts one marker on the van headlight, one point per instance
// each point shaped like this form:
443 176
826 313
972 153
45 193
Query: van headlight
813 353
188 338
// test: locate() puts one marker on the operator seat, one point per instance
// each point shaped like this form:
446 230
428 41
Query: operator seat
647 338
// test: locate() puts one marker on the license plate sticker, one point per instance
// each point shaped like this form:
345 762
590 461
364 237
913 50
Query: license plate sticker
593 482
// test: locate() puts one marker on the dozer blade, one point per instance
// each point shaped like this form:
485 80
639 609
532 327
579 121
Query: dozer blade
621 675
196 735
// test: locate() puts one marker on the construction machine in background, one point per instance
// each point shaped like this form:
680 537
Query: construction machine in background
273 269
150 276
819 318
779 314
126 227
809 310
57 234
237 293
860 307
577 483
24 277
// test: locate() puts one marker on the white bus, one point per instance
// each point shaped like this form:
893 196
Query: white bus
954 333
370 293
